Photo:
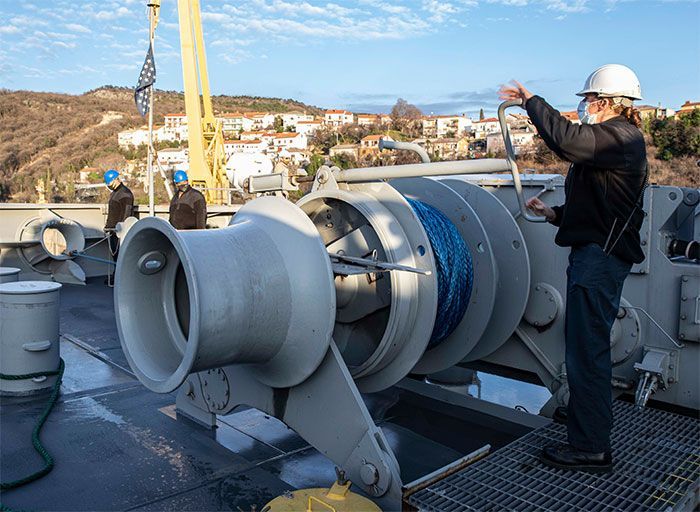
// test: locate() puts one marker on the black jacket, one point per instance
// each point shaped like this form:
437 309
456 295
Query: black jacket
188 210
605 181
120 206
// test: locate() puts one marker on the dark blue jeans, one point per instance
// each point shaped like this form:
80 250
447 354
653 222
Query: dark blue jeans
594 287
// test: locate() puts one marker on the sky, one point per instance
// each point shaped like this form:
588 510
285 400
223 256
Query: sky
446 57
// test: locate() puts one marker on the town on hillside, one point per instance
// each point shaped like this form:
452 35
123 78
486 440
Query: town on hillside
258 142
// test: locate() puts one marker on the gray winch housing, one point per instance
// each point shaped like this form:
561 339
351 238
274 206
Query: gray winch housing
297 309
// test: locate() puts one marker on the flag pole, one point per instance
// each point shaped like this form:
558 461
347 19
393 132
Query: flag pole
153 7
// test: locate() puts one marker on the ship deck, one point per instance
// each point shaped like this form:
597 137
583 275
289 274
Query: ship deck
119 446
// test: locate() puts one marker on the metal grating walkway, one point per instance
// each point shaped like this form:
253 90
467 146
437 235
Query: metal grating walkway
657 467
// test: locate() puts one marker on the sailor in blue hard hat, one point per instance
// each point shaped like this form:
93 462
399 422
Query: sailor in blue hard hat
188 208
121 200
119 207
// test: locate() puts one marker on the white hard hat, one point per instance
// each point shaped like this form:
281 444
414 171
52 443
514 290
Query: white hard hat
613 80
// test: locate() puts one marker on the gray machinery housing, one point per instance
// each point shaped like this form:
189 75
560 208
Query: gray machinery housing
296 309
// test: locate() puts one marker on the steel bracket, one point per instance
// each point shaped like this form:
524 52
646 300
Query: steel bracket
326 409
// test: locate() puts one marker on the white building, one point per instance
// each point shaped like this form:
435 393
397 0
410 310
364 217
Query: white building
483 128
289 140
244 146
232 123
265 136
292 119
372 141
175 120
335 118
345 149
373 119
522 141
175 127
133 138
258 121
173 157
307 127
299 157
446 126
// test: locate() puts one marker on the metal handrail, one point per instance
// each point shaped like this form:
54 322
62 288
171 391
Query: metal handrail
510 158
407 146
483 165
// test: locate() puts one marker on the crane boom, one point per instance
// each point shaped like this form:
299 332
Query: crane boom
205 134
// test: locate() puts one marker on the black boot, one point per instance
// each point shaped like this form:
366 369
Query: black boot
565 456
561 415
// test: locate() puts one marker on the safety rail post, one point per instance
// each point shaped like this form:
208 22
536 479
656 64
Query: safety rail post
510 157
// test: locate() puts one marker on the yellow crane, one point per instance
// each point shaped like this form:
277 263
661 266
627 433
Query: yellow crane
205 133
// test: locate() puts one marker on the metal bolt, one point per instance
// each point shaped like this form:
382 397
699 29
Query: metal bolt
671 380
537 288
536 323
369 474
684 299
644 242
683 317
682 336
685 279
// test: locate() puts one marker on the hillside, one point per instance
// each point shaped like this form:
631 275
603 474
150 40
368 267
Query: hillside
50 137
56 135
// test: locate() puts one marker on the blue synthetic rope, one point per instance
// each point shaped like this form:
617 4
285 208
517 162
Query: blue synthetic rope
455 272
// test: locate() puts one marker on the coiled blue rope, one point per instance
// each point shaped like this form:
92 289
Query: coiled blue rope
455 271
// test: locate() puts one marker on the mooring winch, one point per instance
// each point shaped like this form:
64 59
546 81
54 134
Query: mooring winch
297 308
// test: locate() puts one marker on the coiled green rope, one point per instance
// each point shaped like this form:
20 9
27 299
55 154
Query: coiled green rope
48 459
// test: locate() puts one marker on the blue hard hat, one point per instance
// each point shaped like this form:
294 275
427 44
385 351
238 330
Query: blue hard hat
110 176
180 176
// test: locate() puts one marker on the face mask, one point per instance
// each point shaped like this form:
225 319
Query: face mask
583 114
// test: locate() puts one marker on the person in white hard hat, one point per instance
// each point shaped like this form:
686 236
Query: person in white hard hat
600 220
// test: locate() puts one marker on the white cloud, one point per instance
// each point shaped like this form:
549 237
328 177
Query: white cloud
218 17
235 56
439 11
75 27
9 29
571 6
111 15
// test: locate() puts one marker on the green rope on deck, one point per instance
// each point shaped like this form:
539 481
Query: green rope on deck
48 459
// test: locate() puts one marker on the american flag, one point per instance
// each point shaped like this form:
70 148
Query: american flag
142 94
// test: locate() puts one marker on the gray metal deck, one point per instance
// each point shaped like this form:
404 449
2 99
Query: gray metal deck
657 467
118 446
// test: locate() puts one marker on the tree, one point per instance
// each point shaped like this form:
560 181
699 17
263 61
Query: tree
404 115
344 161
324 139
315 163
278 124
481 114
677 137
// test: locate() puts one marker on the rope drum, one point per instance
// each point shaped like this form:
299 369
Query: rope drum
453 263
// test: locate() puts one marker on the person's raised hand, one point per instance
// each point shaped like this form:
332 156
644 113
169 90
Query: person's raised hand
514 91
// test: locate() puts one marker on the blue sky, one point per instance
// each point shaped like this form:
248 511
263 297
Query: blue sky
446 56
